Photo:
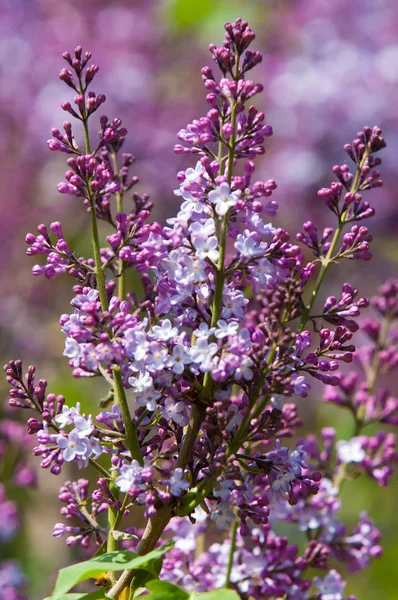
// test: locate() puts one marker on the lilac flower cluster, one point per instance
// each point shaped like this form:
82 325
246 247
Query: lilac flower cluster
200 365
264 566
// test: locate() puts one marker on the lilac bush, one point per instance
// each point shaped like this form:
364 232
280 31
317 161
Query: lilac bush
204 356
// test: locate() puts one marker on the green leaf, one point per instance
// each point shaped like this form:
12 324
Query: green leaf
98 595
111 561
163 590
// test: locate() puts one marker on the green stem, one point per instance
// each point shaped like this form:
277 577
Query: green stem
220 275
329 256
99 468
99 273
111 543
131 433
231 554
121 281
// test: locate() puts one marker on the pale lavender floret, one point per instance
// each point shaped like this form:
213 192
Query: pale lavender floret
263 271
248 246
73 350
177 482
225 329
67 416
165 331
140 382
223 199
223 516
301 386
74 446
158 357
203 230
351 450
330 587
207 248
190 176
192 204
234 303
179 359
245 370
176 411
109 416
83 426
260 226
203 352
203 331
129 477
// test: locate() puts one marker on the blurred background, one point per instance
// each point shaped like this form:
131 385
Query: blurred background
329 69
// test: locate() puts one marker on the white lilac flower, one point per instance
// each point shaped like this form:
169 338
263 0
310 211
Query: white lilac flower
245 368
203 331
204 230
148 398
90 358
248 246
193 270
177 411
165 331
191 204
177 482
223 198
350 451
207 248
223 489
157 358
204 292
225 329
140 382
83 426
264 271
223 516
260 226
96 448
191 176
129 476
179 359
67 415
73 350
233 304
203 352
73 446
135 343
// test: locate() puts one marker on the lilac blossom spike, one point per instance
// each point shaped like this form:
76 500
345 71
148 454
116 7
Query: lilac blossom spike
202 365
